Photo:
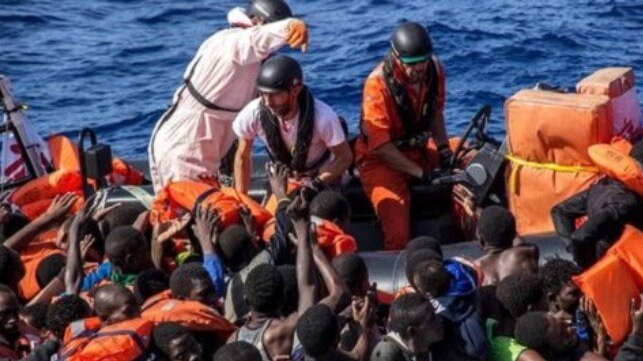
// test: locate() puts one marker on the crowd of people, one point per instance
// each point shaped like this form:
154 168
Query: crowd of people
99 285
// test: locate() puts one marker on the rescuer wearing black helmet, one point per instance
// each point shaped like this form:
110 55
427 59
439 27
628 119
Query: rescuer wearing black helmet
403 136
195 134
299 131
269 11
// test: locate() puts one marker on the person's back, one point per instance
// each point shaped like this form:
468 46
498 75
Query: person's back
268 331
456 303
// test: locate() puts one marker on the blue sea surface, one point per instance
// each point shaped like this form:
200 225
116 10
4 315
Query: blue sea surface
114 64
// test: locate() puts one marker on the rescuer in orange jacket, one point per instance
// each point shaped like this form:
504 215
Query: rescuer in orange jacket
402 109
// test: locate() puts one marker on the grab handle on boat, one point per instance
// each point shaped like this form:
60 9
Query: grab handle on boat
95 161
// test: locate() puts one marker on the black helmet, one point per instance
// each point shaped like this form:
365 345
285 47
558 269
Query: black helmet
411 43
269 10
279 73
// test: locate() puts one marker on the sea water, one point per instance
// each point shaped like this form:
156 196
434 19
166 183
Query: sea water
113 65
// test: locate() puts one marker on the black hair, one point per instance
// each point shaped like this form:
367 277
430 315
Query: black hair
409 310
330 205
64 311
417 258
264 289
237 351
13 224
121 242
531 329
49 268
557 273
318 330
149 283
423 242
497 227
352 269
637 151
165 332
236 246
89 227
291 292
37 314
518 291
10 263
431 276
181 280
123 215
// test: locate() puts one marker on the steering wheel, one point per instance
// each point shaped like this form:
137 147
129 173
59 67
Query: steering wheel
479 123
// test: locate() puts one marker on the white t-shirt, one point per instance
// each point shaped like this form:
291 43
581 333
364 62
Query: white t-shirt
327 132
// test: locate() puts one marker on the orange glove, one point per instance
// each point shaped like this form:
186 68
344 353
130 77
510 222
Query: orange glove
297 35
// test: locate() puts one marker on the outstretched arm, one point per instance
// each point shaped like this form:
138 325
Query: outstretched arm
256 43
342 160
162 234
334 284
56 212
298 211
74 268
243 165
206 229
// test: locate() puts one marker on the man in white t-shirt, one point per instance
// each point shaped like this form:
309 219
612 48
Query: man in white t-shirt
298 130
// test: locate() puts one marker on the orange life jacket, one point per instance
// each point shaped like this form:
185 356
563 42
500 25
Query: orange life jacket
180 197
123 341
616 164
191 314
404 291
628 248
35 197
32 256
609 285
385 298
332 239
64 154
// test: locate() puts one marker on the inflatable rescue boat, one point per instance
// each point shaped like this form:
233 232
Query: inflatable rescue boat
542 160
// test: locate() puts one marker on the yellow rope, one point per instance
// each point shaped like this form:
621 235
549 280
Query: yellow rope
548 166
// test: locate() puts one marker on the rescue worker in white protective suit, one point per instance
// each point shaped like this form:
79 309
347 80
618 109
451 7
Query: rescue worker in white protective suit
195 133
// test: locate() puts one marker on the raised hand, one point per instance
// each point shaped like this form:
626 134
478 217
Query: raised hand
278 178
299 209
76 252
206 227
165 232
298 35
99 215
248 220
86 245
83 215
60 207
637 316
5 211
595 321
